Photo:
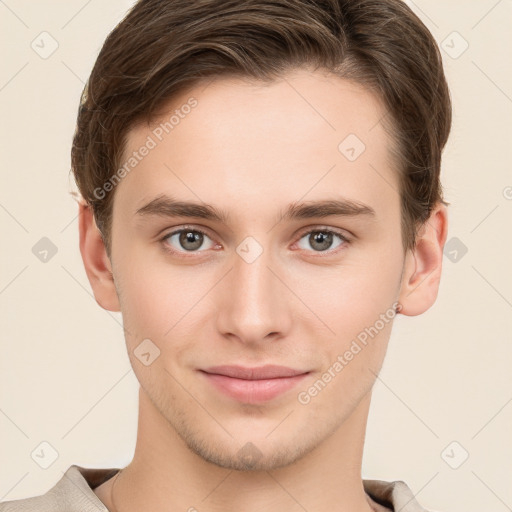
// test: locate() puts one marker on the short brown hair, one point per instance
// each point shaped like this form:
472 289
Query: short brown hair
162 47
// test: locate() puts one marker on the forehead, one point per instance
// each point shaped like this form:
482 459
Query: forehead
304 134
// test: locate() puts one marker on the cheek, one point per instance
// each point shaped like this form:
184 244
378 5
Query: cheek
160 300
349 296
354 310
353 356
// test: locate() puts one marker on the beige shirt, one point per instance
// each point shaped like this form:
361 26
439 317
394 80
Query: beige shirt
74 493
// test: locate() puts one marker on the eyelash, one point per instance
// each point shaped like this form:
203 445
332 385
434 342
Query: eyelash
344 239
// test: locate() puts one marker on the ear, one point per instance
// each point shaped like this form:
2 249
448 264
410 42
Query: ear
422 266
96 262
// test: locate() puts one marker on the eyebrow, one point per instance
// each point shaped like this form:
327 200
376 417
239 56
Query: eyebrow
326 208
166 206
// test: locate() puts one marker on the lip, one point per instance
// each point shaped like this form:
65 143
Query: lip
253 385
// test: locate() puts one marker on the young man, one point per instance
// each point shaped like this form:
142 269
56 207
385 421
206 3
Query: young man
261 198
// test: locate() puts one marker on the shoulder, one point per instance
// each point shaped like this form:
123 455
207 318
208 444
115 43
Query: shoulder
395 495
43 503
72 493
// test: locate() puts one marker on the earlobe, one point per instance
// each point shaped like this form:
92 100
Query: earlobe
423 264
96 261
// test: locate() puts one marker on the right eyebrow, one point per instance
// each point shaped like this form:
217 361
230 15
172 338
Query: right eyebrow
165 206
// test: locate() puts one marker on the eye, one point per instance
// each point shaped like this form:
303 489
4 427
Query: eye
187 240
321 240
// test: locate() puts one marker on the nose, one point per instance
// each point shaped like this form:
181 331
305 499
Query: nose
254 306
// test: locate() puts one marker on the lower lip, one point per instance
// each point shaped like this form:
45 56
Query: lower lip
253 391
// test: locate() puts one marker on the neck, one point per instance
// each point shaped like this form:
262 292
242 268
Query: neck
166 475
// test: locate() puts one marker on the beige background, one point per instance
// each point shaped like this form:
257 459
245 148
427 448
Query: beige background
65 378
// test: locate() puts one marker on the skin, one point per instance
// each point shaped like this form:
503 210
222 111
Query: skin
250 150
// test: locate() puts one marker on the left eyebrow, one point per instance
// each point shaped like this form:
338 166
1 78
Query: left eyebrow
340 207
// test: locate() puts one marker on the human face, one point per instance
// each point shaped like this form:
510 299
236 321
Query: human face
252 286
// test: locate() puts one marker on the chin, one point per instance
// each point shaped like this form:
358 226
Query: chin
250 457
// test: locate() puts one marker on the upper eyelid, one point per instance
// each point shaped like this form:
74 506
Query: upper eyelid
336 231
187 228
305 231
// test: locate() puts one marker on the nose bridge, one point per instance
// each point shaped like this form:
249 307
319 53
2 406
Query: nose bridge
253 304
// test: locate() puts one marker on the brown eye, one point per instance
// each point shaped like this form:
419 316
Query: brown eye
191 240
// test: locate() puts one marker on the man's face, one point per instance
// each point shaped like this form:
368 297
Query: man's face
256 287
